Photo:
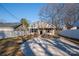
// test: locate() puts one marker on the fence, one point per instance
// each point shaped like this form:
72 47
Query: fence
8 34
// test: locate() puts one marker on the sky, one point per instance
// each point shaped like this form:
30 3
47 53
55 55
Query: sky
13 12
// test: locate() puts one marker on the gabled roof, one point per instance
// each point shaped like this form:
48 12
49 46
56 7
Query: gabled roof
8 24
41 24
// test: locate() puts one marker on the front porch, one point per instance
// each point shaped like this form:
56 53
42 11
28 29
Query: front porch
42 31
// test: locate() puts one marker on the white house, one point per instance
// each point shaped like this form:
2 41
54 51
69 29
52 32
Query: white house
76 24
41 27
73 26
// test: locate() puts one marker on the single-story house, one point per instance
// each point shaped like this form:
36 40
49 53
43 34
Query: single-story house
72 26
41 27
12 30
7 30
76 24
69 27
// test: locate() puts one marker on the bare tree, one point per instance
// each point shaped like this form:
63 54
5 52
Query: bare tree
58 14
51 14
71 12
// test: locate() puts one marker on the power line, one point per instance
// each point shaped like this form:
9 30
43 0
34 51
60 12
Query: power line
8 11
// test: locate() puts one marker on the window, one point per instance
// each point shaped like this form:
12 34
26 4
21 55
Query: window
47 31
33 30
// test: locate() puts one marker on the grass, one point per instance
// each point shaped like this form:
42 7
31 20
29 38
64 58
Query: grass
46 36
10 50
9 46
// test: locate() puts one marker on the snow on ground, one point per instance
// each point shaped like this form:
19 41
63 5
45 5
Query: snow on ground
48 47
70 33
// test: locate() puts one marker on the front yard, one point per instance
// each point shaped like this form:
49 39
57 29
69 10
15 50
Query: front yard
10 46
34 45
49 47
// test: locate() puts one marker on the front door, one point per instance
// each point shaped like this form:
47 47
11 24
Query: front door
41 32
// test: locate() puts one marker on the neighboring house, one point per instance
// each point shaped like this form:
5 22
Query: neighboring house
67 27
76 24
72 27
41 27
7 30
7 26
12 30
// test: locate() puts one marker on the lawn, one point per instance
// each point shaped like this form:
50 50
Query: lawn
10 46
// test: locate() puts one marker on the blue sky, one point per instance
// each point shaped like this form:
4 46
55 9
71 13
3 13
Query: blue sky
29 11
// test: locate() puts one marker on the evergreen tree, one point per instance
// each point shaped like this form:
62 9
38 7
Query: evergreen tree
25 22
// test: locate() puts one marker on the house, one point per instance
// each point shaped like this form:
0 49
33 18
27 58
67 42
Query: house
72 26
12 30
76 24
8 26
7 30
41 27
